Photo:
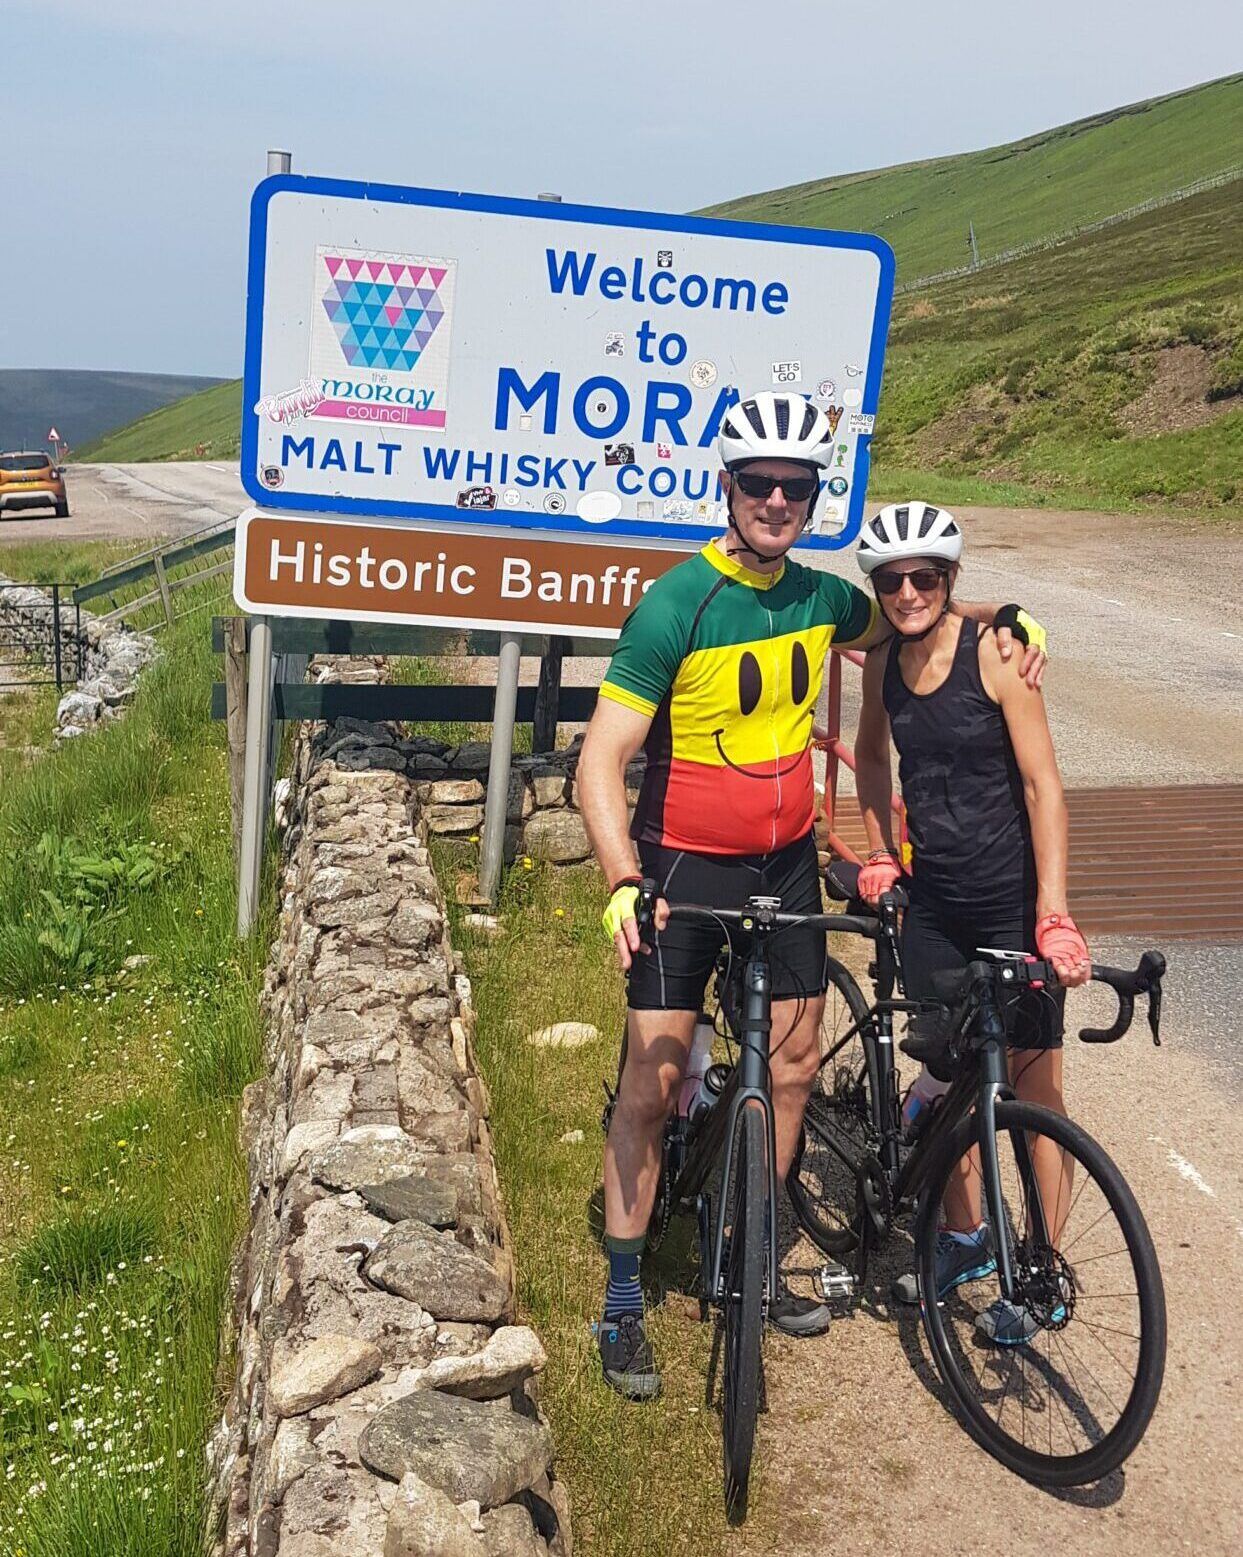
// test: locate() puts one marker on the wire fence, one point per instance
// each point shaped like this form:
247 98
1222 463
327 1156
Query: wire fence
1056 239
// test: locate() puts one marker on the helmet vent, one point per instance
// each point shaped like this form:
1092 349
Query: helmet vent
925 524
782 409
752 413
901 521
809 420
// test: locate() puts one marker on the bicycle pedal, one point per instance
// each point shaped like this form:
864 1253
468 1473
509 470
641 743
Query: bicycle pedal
836 1284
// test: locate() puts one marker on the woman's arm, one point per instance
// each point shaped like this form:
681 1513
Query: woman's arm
1023 709
873 774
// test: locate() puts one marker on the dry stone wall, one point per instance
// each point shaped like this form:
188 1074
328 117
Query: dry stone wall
384 1402
113 656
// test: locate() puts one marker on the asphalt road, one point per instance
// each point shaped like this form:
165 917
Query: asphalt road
139 503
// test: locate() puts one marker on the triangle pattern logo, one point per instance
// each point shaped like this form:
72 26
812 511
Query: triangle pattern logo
383 312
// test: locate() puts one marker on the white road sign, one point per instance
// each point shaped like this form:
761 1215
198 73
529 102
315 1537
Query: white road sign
415 354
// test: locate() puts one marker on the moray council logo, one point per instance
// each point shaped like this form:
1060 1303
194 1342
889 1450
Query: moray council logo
380 336
384 312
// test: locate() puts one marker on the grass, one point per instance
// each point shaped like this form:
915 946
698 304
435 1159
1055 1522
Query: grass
1021 385
552 963
126 1035
1025 191
202 426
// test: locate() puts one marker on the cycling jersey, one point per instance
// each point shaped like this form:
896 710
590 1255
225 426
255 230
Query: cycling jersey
727 663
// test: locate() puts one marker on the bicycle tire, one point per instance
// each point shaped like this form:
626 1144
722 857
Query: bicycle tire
824 1195
744 1307
1025 1121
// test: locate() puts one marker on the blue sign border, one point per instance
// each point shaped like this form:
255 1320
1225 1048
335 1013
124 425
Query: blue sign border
544 210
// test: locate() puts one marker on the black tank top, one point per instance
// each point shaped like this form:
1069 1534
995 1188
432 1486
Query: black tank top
962 787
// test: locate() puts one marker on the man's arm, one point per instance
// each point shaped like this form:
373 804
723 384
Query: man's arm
613 738
881 630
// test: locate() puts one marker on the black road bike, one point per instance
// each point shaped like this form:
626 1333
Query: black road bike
1072 1272
720 1164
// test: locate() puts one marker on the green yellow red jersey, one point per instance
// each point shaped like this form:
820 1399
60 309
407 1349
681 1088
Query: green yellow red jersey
728 664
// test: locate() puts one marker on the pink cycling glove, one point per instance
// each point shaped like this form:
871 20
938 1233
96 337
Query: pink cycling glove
1059 941
878 876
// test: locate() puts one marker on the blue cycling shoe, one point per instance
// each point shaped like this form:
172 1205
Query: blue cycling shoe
957 1263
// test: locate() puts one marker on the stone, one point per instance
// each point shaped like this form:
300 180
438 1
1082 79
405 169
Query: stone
512 1356
369 759
78 708
368 1154
467 1450
302 1140
557 836
340 1500
309 1373
485 924
549 789
437 1273
413 1198
416 924
293 1453
424 1522
423 765
564 1035
455 792
453 819
572 1138
471 757
509 1532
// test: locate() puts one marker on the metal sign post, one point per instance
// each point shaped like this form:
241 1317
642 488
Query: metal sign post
254 783
492 846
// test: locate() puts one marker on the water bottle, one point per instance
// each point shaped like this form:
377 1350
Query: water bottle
691 1094
920 1102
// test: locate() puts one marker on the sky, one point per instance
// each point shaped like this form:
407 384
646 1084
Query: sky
133 132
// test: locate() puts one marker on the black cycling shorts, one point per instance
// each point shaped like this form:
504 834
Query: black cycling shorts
936 938
675 974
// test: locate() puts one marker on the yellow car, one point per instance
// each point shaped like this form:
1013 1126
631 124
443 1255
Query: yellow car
29 480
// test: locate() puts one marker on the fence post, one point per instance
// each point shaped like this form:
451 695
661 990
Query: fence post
548 696
235 710
254 795
492 847
161 579
56 634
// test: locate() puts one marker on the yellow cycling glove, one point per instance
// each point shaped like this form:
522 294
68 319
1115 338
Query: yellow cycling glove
1025 627
622 906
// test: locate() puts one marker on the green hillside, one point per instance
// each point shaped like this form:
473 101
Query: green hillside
202 426
1026 191
1107 372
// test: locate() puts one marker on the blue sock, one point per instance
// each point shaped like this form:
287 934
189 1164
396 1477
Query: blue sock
624 1295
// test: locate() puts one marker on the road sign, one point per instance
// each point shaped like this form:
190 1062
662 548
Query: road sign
463 360
419 573
53 436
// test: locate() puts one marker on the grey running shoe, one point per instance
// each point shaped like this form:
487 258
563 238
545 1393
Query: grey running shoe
957 1263
798 1315
626 1357
1006 1324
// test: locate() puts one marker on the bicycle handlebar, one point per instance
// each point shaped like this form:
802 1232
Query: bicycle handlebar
1144 979
745 919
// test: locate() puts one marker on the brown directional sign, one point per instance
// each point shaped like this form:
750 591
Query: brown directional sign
517 581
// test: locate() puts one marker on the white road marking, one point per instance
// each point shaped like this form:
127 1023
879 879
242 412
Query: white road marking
1192 1174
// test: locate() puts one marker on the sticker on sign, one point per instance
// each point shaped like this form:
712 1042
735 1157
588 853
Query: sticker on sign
462 343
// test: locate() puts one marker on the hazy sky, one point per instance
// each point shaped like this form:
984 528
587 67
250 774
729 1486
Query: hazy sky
132 131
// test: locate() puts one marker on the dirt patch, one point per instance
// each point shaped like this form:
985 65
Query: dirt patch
964 425
1176 400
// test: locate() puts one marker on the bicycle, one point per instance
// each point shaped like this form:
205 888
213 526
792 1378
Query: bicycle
857 1169
725 1153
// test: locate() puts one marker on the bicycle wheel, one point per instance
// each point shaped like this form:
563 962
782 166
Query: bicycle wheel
839 1125
1066 1391
745 1267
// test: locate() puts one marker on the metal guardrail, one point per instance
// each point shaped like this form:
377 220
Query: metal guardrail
1039 245
157 564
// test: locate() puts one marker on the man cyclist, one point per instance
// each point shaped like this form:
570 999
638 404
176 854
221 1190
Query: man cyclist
717 673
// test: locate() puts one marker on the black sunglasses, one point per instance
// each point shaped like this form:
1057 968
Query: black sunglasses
889 581
796 488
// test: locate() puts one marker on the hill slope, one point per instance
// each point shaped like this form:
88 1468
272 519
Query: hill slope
81 405
206 425
1026 191
1103 373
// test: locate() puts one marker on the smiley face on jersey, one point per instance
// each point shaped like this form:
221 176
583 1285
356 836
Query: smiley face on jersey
748 707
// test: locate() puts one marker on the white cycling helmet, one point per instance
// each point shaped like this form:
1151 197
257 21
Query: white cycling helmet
779 427
905 530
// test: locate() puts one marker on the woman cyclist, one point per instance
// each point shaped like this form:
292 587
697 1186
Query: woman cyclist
987 821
